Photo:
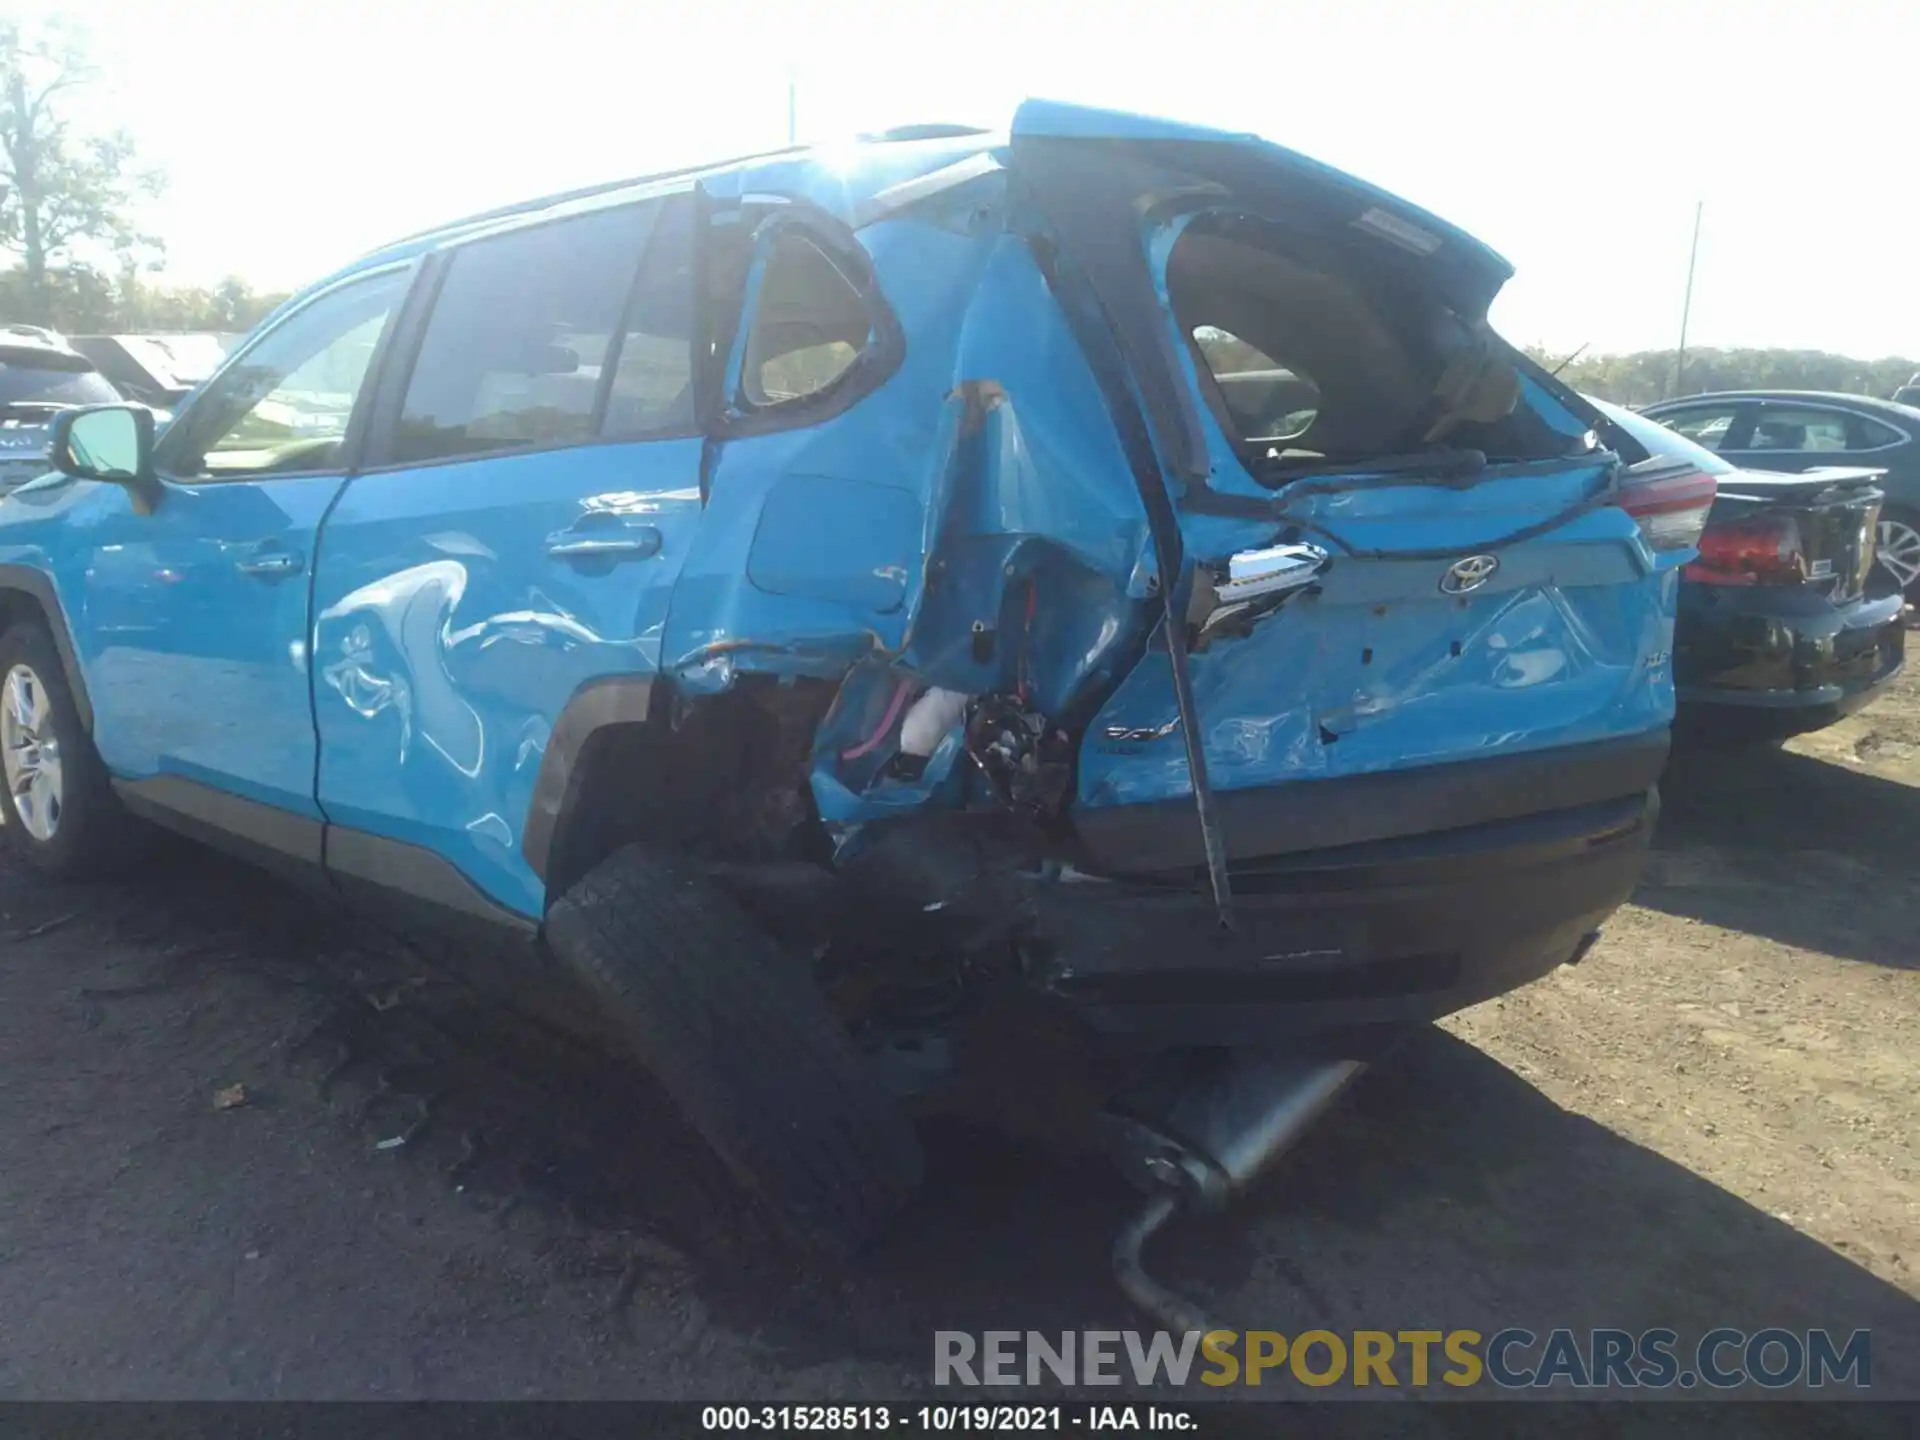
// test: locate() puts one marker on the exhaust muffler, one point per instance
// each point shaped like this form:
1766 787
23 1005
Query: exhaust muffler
1197 1141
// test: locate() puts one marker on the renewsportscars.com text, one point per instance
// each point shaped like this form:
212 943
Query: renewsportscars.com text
1512 1359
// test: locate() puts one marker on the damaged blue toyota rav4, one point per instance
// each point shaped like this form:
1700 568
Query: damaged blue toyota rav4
870 616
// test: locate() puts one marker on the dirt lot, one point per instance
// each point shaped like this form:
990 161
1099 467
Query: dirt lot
1711 1121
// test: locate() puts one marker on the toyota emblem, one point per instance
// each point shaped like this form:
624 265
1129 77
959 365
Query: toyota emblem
1468 574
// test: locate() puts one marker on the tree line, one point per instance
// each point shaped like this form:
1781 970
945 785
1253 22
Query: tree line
70 198
79 300
1644 376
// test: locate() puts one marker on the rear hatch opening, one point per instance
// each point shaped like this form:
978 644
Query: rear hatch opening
1310 359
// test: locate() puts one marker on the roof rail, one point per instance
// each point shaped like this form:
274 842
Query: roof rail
934 131
584 192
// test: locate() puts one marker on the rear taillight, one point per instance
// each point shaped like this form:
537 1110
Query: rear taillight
1765 550
1671 509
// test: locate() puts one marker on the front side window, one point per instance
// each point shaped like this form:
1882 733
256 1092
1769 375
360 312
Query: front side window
1781 427
520 335
282 408
1705 425
809 325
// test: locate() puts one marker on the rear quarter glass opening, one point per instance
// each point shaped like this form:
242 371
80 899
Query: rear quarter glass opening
1308 357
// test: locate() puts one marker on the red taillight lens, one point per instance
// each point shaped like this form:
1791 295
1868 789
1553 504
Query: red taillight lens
1762 551
1672 509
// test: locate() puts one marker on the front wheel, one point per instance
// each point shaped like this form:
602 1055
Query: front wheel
1898 552
61 815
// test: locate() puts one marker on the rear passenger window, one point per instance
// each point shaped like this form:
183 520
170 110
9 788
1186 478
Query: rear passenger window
1781 427
652 388
1871 434
809 325
519 338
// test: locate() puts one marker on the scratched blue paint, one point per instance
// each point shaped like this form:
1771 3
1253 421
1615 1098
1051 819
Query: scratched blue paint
972 523
444 651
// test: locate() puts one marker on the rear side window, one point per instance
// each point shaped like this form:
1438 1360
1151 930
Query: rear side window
22 384
1781 427
520 336
1871 434
810 324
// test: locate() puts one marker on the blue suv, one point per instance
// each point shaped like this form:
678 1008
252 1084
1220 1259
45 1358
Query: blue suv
825 604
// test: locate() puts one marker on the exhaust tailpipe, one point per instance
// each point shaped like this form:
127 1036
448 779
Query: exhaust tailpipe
1199 1141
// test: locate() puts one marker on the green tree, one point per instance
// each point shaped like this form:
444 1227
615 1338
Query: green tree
64 190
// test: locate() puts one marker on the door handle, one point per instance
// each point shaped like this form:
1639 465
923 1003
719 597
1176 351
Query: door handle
279 562
639 543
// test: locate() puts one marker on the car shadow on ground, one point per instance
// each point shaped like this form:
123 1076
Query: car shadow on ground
1444 1192
1798 849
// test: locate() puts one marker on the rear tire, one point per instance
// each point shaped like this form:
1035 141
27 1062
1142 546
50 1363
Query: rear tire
744 1044
62 816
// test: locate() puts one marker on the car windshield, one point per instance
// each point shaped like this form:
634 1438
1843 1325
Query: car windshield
1659 442
22 385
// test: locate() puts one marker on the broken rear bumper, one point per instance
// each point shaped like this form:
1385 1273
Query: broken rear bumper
1368 935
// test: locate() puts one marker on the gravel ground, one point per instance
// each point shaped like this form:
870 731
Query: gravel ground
1710 1121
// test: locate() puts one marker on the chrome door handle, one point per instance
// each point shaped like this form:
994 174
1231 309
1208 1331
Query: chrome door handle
572 545
278 563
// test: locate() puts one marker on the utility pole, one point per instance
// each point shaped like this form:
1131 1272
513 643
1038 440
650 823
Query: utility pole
1686 304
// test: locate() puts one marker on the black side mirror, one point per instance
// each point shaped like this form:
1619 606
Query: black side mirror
112 443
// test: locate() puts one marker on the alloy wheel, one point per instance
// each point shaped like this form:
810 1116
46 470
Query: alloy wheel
1899 552
30 752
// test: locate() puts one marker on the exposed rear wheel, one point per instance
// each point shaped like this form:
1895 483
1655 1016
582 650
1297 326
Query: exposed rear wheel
740 1038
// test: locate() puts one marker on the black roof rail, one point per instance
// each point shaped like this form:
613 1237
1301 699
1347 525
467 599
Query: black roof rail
585 192
935 131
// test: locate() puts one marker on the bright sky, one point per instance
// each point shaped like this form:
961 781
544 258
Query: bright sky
1574 137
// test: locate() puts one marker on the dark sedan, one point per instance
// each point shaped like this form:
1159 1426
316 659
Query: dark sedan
1799 430
1779 631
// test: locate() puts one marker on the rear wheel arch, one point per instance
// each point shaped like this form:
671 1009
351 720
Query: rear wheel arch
631 759
558 840
28 594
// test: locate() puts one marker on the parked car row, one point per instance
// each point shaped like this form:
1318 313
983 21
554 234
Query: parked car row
1107 573
43 373
1781 628
1794 432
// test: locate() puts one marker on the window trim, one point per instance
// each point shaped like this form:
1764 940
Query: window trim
623 328
410 336
353 442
